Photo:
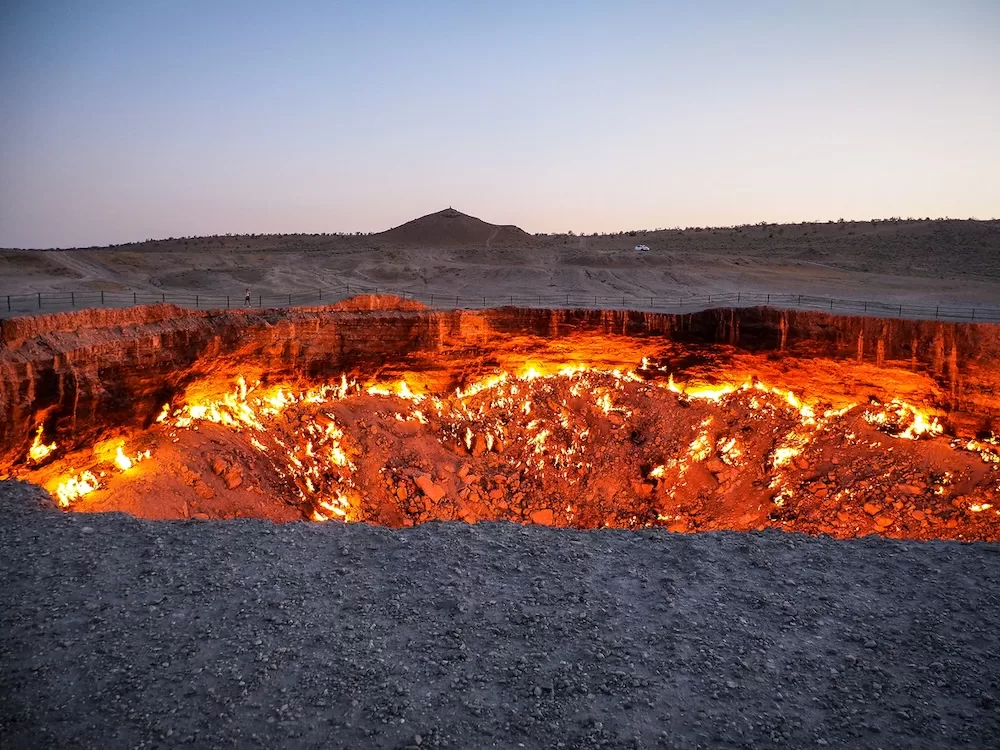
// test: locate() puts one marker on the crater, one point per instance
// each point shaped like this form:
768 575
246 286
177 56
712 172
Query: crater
379 411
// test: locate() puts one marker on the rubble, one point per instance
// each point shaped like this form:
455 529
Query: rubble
676 455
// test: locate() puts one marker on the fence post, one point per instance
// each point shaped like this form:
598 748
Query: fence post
973 313
260 300
102 299
512 300
800 300
936 310
738 296
289 300
769 299
710 299
484 301
197 303
320 295
72 298
831 303
40 299
227 301
900 311
163 296
348 287
133 298
8 303
376 291
866 305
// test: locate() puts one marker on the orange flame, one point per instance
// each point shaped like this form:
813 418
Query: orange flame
76 487
38 450
124 462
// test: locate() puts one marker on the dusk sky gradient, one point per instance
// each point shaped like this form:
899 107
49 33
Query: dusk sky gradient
121 121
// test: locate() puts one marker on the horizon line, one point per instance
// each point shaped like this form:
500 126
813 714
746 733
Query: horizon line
570 233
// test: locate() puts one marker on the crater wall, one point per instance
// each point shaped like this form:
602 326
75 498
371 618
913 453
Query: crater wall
78 373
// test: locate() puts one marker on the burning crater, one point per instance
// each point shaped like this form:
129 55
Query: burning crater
725 419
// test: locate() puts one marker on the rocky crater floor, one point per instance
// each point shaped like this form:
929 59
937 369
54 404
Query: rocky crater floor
124 632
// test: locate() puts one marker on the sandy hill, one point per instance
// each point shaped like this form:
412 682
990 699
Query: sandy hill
451 227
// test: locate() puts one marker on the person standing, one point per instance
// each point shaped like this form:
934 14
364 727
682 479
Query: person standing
246 301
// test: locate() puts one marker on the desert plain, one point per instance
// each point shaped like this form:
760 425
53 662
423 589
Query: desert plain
448 253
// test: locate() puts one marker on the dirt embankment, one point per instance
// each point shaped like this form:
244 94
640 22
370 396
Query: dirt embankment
450 227
120 632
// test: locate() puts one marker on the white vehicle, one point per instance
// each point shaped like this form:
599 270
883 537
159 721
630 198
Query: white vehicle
642 248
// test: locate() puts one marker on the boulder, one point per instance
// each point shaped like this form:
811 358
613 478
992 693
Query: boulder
233 477
433 492
203 490
543 517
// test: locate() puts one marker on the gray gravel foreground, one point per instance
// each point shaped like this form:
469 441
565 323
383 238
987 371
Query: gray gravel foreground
119 632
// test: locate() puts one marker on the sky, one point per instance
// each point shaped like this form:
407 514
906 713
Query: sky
123 121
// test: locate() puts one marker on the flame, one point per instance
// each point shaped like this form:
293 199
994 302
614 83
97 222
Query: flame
706 392
315 457
76 487
730 451
894 415
279 400
700 448
482 385
986 450
604 403
538 441
784 454
403 391
38 450
123 461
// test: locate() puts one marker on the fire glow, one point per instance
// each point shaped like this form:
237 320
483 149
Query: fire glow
561 444
39 451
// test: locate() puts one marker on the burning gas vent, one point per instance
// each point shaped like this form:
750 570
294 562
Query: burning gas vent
590 430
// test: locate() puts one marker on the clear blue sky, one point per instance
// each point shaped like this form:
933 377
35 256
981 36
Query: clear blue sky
124 121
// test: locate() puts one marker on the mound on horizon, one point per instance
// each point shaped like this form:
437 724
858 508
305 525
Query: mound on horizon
451 227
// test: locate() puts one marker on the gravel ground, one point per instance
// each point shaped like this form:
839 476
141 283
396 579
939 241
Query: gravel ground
119 632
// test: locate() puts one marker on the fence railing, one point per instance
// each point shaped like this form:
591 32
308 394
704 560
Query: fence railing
42 302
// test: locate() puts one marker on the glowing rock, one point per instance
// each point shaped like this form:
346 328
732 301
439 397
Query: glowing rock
543 517
434 492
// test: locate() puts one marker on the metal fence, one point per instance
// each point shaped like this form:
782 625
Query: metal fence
42 302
